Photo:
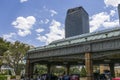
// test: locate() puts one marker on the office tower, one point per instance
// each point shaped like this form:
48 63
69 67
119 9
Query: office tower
77 22
119 12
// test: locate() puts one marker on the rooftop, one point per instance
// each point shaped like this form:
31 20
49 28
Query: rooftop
88 37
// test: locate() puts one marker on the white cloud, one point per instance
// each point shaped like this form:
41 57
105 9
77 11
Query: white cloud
23 1
104 20
23 33
9 36
41 38
24 25
39 30
109 24
97 20
112 12
53 12
56 32
113 3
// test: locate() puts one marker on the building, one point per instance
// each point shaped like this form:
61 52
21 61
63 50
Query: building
119 12
77 22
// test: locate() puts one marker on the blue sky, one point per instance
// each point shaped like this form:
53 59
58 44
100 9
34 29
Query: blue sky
39 22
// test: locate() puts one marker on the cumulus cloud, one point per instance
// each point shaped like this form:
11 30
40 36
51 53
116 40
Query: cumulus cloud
112 12
23 1
111 24
56 32
53 12
103 19
23 33
24 25
97 20
113 3
9 36
39 30
41 38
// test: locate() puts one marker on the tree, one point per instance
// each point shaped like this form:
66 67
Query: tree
40 69
3 46
83 72
58 70
74 70
15 55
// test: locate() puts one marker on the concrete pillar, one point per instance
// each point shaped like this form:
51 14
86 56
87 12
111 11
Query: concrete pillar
89 66
112 69
29 69
68 69
48 68
102 68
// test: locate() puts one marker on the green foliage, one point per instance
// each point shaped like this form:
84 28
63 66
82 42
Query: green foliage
3 48
13 77
15 55
40 69
4 45
3 77
5 72
83 72
9 72
74 70
0 61
58 70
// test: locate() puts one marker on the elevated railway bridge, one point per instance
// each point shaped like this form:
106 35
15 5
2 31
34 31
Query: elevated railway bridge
102 47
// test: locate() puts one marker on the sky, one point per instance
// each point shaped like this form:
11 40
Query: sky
39 22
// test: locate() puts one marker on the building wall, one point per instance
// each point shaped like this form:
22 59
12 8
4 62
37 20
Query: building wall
119 12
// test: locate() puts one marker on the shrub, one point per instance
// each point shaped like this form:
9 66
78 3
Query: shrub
83 72
3 77
12 77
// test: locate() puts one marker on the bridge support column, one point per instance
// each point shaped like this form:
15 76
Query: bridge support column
102 68
29 69
48 68
67 69
89 66
112 69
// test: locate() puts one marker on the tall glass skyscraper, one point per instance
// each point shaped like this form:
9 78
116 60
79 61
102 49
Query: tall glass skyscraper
77 22
119 12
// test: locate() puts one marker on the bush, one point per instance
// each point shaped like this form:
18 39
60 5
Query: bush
83 72
12 77
3 77
5 72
